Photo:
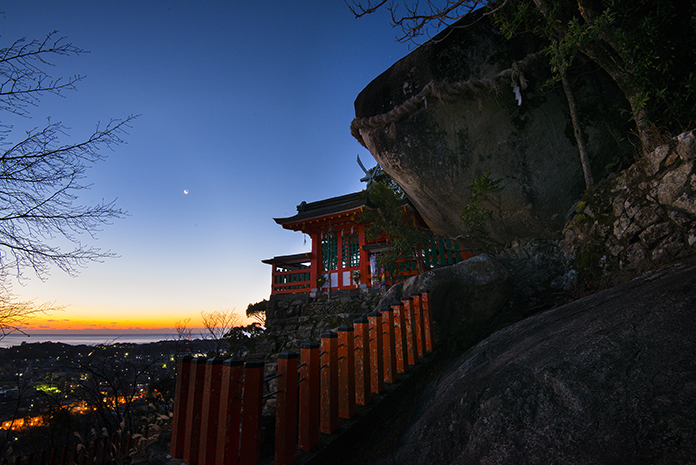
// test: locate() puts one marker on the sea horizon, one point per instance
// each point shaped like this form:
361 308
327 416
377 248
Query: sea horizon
89 337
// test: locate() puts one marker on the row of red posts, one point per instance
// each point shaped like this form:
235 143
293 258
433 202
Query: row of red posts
217 406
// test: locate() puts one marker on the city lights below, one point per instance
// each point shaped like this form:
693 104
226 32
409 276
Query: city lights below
77 408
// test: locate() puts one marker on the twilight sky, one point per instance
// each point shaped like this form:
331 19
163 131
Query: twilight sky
245 105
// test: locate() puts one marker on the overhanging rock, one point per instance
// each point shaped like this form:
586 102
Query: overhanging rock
469 102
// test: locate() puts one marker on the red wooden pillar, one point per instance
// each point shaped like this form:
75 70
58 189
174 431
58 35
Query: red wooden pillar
339 264
193 411
73 455
401 354
87 454
418 325
315 265
64 453
376 355
388 346
365 277
346 373
74 460
93 453
329 382
183 372
252 403
411 348
229 418
210 411
310 392
427 321
362 360
286 409
104 452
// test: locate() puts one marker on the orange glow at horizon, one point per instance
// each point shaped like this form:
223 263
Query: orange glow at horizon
116 321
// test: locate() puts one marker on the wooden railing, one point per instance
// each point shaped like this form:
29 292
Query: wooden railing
444 252
291 282
218 404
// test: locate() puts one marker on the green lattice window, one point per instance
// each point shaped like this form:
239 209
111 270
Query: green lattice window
329 253
351 251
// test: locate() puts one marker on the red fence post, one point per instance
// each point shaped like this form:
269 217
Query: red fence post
376 355
210 411
388 346
252 404
75 455
310 393
427 321
418 325
329 382
409 318
63 455
346 373
230 415
104 452
362 360
286 409
400 337
92 453
193 411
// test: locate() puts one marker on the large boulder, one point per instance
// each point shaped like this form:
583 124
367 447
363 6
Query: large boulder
469 102
610 378
465 297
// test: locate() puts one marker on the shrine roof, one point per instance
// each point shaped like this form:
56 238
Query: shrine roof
289 259
325 208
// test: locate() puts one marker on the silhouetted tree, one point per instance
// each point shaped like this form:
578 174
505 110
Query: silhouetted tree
40 177
111 382
217 324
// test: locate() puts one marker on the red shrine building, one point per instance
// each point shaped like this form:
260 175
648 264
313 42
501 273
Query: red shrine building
341 257
338 242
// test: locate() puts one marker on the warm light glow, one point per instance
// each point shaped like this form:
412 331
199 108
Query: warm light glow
73 319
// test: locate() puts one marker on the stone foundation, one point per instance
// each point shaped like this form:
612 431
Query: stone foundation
292 319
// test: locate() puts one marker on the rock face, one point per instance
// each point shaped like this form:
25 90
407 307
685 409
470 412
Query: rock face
464 297
470 102
606 379
641 218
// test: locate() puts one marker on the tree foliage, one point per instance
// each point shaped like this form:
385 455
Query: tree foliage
647 47
484 207
41 177
257 311
393 219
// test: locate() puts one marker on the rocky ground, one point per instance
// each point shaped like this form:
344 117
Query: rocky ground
609 378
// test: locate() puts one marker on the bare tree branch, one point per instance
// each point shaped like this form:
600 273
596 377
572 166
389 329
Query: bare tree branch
15 315
39 182
217 325
41 220
22 76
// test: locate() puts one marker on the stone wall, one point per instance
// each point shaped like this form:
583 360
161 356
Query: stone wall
641 218
296 318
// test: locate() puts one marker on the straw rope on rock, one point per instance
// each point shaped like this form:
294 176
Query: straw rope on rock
445 92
